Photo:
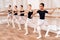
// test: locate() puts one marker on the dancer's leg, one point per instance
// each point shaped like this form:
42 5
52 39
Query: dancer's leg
39 32
47 33
58 34
48 29
35 29
26 27
13 22
19 24
39 29
8 17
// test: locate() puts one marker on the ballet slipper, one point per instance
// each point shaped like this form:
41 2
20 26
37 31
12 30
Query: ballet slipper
19 29
26 33
57 36
34 31
13 25
39 33
19 26
39 37
47 35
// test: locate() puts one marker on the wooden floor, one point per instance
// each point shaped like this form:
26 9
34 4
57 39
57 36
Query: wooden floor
8 33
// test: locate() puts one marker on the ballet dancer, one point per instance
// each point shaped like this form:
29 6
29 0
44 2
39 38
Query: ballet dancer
41 20
9 14
29 13
21 13
15 17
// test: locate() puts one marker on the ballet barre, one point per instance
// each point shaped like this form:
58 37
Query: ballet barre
50 8
53 28
58 8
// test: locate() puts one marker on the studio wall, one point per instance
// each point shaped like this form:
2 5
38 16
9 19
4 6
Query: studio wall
35 3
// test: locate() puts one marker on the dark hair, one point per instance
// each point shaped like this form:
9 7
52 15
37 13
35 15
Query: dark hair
21 5
30 5
42 4
15 6
9 5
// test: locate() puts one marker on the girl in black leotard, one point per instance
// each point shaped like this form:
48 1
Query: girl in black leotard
15 17
9 14
9 10
21 14
21 10
29 14
15 11
41 21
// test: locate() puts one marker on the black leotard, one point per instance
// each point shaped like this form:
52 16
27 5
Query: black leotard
10 11
15 13
29 14
22 14
42 14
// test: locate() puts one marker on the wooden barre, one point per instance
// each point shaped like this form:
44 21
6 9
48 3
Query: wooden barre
51 8
58 8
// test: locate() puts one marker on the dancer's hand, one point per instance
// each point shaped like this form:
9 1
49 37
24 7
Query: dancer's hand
53 9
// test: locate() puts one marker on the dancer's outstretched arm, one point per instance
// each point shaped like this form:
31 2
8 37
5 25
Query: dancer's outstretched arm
50 12
34 12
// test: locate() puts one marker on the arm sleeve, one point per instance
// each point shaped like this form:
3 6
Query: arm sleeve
46 11
38 11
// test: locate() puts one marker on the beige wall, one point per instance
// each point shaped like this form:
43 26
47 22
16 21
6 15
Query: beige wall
4 3
35 3
48 3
